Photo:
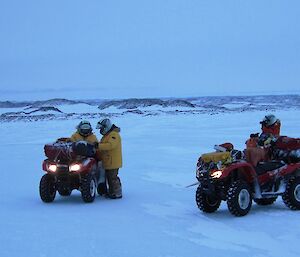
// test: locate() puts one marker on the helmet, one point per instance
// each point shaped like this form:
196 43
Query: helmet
269 120
84 128
104 125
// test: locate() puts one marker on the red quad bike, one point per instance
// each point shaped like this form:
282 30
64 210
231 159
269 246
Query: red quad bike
69 166
226 175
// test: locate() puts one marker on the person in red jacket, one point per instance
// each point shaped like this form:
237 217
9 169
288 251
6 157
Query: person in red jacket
258 146
270 125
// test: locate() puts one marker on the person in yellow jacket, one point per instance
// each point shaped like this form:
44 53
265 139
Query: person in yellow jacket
84 133
110 153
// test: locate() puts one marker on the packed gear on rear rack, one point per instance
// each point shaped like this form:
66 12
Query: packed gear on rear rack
68 151
224 155
60 151
287 149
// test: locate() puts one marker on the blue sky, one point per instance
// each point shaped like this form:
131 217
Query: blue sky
137 48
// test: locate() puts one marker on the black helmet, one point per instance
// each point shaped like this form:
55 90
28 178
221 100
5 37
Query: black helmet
84 128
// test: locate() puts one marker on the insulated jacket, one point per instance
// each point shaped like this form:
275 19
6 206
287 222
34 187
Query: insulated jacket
110 149
92 139
255 154
252 142
274 129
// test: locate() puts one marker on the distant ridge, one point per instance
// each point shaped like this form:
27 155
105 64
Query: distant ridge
36 104
134 103
131 103
60 108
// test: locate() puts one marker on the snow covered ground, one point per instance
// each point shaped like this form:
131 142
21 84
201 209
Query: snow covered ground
158 216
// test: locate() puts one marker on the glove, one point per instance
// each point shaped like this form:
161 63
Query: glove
254 135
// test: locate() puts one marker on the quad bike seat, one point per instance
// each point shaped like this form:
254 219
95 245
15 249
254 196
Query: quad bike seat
263 167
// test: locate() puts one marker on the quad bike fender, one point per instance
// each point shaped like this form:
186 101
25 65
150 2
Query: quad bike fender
291 169
241 170
88 165
44 165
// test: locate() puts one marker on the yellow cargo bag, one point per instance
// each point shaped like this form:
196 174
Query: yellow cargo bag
216 156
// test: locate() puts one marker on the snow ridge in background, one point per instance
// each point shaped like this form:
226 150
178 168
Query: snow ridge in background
55 109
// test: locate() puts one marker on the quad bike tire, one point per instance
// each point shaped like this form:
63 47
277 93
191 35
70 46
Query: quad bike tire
64 191
88 188
291 196
205 202
239 200
265 201
47 188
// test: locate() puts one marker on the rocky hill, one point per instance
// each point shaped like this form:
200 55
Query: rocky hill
71 109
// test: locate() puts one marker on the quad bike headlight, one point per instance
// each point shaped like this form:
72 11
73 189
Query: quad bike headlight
216 174
52 167
75 167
